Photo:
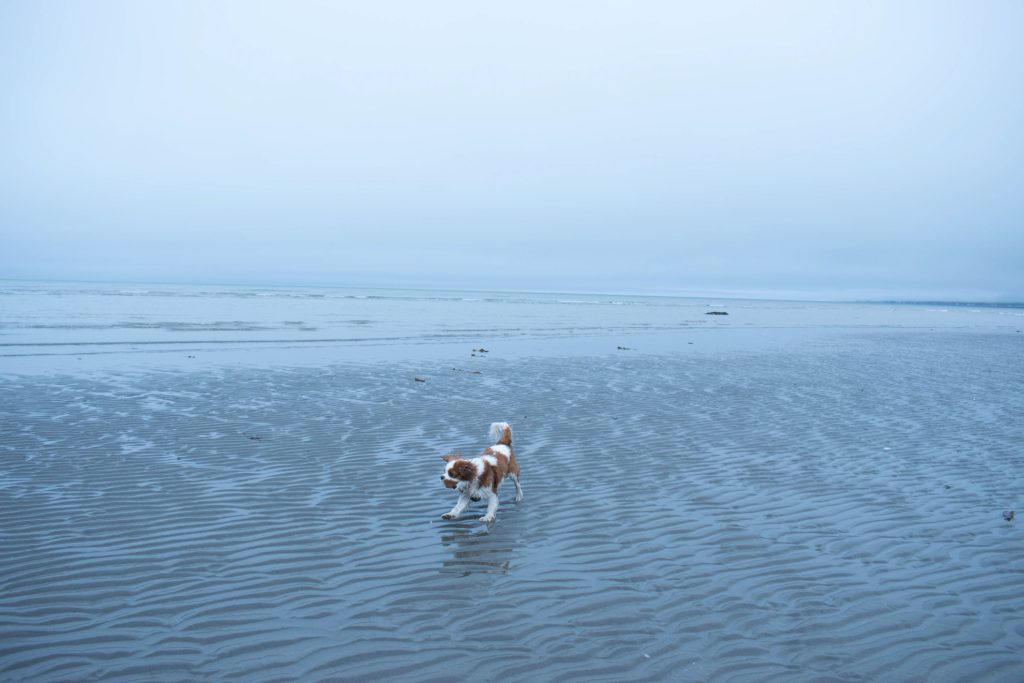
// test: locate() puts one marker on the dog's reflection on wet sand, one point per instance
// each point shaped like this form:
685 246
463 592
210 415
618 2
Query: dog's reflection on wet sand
477 549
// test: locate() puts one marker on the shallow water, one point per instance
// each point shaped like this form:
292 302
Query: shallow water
828 507
70 328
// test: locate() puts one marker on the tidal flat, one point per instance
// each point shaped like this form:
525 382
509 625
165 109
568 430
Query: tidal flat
824 507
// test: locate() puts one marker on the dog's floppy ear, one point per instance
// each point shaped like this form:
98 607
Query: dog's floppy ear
464 470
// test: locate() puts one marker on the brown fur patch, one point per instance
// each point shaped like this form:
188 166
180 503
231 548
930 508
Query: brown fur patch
495 474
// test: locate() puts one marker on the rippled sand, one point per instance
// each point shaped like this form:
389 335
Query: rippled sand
832 512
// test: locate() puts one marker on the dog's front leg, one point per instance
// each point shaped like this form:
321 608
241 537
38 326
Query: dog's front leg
460 505
492 505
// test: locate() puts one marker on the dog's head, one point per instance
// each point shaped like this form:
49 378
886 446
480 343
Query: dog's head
457 470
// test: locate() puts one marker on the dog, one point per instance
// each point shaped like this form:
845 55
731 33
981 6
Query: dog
480 477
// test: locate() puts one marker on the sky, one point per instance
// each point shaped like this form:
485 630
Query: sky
836 150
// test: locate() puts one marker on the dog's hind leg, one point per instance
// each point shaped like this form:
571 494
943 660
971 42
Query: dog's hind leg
519 489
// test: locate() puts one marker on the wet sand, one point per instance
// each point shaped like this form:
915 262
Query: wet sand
811 512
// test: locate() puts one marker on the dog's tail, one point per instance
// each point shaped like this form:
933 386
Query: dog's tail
501 433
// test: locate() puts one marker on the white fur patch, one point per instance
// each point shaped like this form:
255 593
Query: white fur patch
502 448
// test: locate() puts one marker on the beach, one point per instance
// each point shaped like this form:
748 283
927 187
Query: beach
231 486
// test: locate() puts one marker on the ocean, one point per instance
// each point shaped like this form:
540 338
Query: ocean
71 326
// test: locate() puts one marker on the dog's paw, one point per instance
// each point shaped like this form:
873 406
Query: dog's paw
487 519
448 515
519 498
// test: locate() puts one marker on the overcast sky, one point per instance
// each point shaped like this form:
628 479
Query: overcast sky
822 149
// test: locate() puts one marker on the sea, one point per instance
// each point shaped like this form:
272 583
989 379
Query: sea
64 327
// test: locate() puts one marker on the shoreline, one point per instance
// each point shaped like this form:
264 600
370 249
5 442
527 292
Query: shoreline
99 357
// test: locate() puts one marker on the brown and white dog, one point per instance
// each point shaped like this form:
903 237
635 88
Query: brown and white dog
480 477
